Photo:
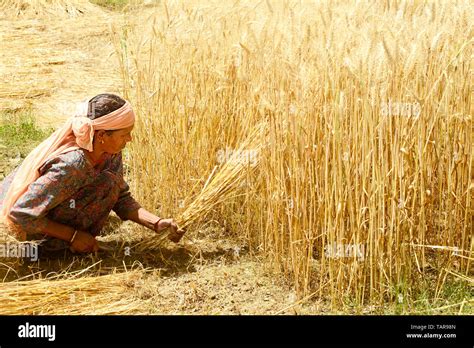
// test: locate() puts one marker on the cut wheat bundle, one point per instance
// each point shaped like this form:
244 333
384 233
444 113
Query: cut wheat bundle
220 186
102 295
45 8
48 58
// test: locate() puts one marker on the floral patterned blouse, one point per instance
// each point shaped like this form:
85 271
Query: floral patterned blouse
73 192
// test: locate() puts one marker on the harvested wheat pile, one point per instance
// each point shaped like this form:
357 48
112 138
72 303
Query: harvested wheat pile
45 8
49 63
108 294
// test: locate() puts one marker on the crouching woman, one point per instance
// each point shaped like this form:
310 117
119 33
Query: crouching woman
66 187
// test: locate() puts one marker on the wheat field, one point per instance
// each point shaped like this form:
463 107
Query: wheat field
362 186
318 153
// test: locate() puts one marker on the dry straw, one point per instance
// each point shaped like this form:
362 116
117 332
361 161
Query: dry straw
349 163
51 58
221 185
101 295
45 8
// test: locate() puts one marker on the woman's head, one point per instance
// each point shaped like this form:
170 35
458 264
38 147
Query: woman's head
111 141
103 104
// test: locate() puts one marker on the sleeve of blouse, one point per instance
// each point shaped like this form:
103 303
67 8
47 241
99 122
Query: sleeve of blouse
125 203
60 179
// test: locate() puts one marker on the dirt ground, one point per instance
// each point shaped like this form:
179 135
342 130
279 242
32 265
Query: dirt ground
48 66
208 274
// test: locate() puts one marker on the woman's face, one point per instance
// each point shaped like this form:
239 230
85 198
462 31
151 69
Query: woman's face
115 141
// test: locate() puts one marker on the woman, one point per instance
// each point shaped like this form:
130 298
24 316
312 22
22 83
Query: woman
67 186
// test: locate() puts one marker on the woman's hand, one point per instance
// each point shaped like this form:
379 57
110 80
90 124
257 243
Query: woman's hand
84 243
175 234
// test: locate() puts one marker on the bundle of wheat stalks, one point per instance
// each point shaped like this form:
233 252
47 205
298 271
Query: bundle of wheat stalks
221 185
108 294
226 180
21 8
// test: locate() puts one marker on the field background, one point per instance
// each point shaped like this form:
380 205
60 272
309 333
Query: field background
335 168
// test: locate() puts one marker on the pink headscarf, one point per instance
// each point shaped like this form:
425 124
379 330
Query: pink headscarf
77 132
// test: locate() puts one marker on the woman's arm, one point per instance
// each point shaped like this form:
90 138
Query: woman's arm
153 222
57 230
143 217
127 208
83 241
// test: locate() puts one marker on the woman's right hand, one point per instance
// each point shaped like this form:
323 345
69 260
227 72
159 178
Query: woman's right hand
84 243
